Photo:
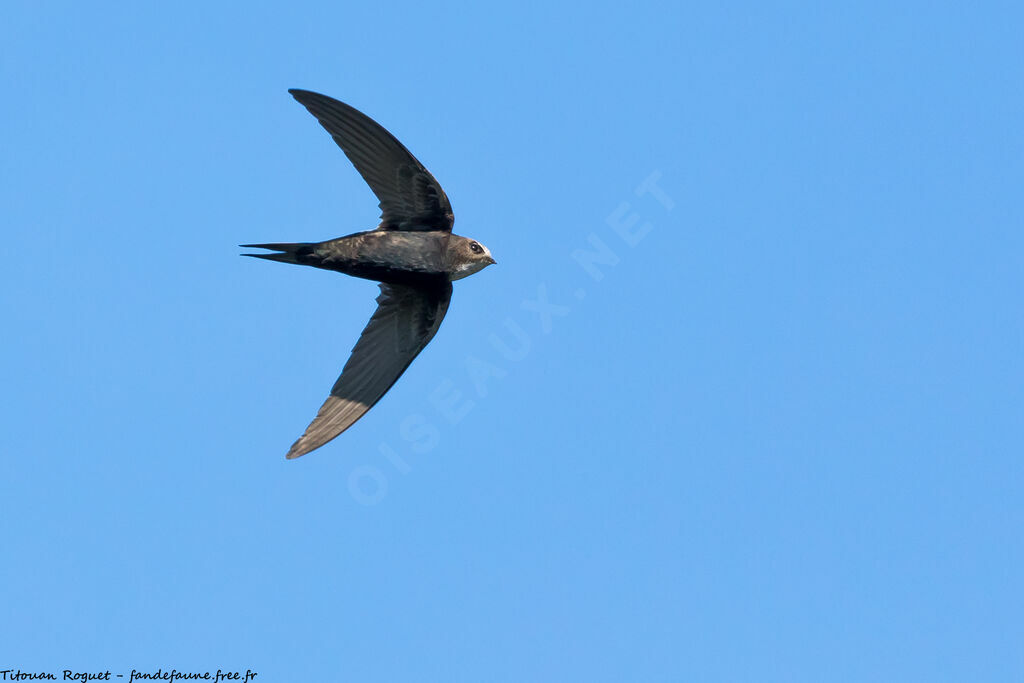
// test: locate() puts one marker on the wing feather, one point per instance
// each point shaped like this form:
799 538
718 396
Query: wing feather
406 319
410 198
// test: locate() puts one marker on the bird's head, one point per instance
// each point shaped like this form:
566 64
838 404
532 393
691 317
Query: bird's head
467 256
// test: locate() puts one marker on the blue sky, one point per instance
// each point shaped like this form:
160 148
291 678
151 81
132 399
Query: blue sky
778 440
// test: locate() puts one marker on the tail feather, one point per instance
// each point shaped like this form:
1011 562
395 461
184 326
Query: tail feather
291 252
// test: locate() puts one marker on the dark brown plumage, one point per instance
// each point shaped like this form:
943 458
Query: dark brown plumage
412 253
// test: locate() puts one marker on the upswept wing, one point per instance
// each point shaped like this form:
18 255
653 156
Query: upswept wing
406 319
410 198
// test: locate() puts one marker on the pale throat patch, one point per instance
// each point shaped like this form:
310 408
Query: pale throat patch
467 269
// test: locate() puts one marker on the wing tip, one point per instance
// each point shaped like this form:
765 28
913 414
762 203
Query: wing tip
303 95
300 448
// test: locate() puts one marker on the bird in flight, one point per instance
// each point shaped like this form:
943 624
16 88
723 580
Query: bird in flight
413 254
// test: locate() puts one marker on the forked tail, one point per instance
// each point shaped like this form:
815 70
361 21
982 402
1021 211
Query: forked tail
302 253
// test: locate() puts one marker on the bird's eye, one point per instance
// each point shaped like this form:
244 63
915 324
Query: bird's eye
475 248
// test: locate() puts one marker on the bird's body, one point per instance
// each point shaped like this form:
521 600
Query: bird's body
412 253
395 256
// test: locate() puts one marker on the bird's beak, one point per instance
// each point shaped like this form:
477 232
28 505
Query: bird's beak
491 261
